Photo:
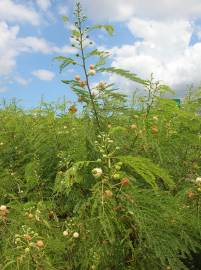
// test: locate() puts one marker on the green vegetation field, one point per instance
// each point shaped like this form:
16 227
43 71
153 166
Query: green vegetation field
108 183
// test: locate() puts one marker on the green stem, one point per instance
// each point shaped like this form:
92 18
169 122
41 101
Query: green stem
85 70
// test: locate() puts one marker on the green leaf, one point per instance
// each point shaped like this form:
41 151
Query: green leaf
124 73
149 171
70 177
97 53
67 81
108 28
65 62
75 33
8 264
65 19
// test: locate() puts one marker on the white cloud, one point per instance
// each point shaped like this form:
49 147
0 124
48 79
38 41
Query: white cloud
22 80
44 75
36 44
63 9
12 12
164 50
44 4
120 10
12 45
8 49
114 10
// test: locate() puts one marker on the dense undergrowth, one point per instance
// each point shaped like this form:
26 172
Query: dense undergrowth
111 185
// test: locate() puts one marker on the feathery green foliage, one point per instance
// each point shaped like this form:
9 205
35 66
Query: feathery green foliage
106 184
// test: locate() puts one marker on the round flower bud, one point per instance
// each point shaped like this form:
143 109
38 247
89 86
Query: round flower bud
154 130
92 66
30 216
155 118
40 244
72 109
77 78
190 194
65 233
27 237
101 85
92 72
108 193
198 180
82 84
116 176
3 208
133 126
76 235
125 181
97 172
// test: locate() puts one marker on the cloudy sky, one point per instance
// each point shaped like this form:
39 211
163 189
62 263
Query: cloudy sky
162 37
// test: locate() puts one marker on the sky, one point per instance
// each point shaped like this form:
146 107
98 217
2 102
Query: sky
162 37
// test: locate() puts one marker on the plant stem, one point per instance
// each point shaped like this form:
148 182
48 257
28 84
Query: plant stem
85 70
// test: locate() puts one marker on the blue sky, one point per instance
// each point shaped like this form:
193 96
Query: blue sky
162 37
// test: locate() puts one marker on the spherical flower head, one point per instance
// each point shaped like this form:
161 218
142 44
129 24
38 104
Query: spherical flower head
82 84
30 216
108 193
27 237
91 66
92 72
101 85
116 176
125 181
133 126
72 109
77 78
40 244
154 130
65 233
198 180
97 172
3 208
155 118
190 194
76 235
